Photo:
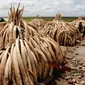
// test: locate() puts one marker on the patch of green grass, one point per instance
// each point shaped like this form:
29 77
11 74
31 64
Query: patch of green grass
28 19
67 19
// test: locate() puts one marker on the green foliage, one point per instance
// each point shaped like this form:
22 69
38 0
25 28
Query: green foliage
67 19
28 19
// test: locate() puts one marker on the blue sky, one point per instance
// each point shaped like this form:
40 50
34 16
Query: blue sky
77 2
45 7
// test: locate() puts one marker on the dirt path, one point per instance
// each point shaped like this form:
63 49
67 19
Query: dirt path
80 51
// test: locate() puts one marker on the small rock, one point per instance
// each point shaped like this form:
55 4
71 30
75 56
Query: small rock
77 54
74 80
74 59
83 69
83 64
76 74
41 84
80 63
68 77
79 77
80 67
76 84
83 78
83 44
82 82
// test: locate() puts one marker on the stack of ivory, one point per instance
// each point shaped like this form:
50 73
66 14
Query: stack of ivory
62 32
26 54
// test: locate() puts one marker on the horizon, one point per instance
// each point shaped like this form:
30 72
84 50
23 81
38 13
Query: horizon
43 16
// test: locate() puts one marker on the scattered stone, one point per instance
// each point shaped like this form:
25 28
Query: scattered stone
82 83
77 54
77 75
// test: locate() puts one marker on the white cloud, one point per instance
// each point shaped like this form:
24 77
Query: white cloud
45 7
80 7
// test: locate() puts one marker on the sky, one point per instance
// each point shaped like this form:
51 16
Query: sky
45 7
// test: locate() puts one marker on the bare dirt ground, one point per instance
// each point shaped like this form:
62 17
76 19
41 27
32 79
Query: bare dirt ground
76 61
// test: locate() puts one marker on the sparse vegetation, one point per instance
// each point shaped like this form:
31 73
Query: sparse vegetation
68 19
